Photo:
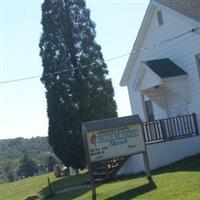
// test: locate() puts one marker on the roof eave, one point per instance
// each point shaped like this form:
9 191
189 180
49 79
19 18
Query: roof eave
158 4
138 42
140 37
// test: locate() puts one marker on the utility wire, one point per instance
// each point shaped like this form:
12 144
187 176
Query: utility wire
20 79
108 60
59 72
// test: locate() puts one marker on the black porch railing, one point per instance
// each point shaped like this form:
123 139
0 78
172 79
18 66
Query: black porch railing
170 128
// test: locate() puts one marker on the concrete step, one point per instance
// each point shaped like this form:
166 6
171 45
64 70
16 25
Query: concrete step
99 173
100 179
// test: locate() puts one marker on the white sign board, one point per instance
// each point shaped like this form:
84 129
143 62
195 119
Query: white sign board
115 142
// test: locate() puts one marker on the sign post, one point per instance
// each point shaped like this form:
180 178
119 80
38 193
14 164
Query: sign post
89 166
113 138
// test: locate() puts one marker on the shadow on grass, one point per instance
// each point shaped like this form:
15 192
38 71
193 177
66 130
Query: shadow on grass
67 195
134 192
65 183
188 164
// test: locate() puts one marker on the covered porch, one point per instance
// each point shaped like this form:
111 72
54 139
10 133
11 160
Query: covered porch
165 99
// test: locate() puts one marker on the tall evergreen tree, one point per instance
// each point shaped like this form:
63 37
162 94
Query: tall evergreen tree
74 76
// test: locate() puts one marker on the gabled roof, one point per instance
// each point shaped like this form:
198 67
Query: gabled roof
189 8
165 68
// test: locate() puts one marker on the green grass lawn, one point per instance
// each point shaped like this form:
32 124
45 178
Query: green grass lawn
38 185
180 181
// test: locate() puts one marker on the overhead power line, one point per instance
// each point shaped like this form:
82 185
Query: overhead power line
20 79
108 60
59 72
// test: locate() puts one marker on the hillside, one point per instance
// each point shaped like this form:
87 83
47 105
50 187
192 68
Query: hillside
177 181
13 150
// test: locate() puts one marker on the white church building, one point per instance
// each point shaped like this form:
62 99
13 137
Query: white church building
163 80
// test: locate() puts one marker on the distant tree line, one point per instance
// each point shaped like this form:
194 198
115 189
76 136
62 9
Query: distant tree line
20 158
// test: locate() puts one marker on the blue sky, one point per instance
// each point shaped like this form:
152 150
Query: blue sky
23 104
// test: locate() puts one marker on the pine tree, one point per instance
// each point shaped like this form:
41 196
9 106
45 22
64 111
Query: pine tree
74 75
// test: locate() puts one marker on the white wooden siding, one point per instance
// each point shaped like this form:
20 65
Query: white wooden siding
180 86
159 107
158 99
162 154
136 103
182 51
147 81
